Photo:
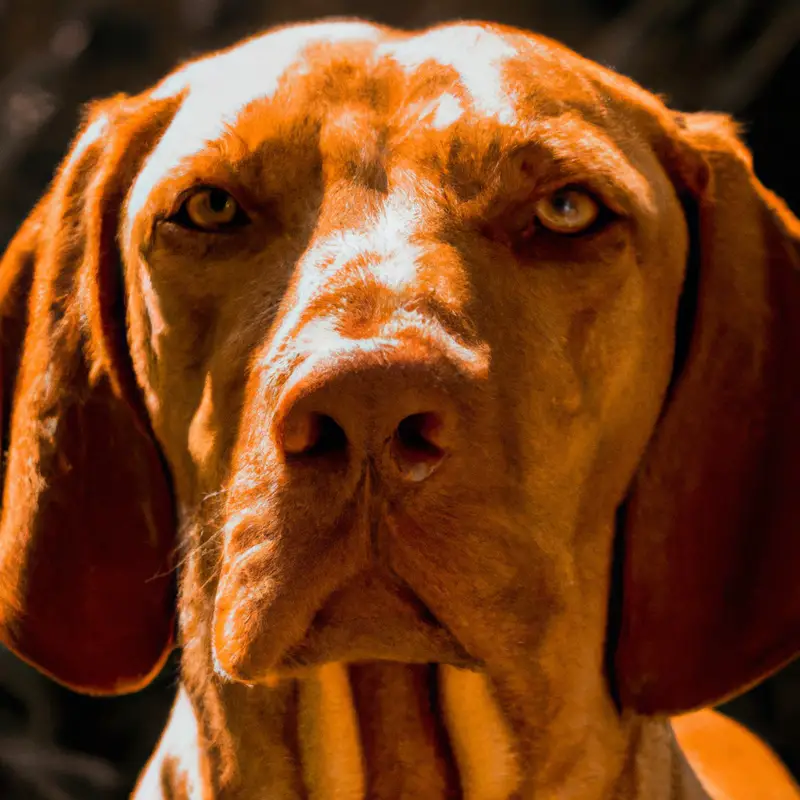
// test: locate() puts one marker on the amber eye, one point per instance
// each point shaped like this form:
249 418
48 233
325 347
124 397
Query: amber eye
567 211
210 209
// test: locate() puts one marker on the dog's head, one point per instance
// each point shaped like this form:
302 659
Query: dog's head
444 347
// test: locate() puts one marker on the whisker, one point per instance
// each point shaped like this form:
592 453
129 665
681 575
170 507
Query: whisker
200 548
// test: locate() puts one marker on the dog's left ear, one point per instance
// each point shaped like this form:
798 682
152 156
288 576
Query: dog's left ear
711 569
87 525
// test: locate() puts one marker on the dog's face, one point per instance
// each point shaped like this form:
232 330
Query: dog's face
408 302
400 316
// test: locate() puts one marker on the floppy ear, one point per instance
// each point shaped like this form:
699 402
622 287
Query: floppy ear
86 535
711 574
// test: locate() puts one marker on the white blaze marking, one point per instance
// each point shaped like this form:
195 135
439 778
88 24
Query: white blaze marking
448 111
385 237
475 53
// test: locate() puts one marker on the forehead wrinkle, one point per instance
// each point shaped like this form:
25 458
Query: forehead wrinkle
364 166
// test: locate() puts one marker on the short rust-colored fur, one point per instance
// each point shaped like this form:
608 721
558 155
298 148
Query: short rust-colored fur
609 534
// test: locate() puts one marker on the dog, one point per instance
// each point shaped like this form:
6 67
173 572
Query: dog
445 383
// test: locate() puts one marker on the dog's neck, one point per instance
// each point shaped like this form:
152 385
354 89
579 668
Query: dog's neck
541 726
391 732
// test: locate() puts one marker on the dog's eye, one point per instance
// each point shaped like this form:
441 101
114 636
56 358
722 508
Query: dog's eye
210 209
568 211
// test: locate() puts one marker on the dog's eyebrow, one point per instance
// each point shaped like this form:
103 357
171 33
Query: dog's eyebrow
570 145
541 151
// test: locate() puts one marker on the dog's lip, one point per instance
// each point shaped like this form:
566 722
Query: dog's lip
356 607
371 616
346 628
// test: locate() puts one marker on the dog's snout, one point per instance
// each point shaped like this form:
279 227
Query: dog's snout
399 408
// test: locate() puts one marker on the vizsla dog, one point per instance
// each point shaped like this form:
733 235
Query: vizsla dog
455 377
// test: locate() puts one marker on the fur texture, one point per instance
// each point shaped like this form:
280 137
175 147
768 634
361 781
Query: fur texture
459 504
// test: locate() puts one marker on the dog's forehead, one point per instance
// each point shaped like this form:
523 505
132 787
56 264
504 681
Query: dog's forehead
227 82
476 60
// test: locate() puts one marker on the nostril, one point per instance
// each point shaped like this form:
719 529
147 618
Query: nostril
417 445
418 434
312 434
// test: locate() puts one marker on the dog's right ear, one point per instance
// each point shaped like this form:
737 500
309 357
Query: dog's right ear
87 527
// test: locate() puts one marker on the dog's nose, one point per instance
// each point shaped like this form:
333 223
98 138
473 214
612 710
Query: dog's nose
399 407
414 444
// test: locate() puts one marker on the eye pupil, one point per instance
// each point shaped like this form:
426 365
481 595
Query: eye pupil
218 200
564 204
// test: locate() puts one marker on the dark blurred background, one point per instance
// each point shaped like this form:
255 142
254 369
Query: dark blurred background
740 56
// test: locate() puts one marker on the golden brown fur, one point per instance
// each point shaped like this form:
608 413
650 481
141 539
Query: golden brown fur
591 523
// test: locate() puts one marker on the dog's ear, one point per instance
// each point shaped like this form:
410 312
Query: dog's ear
711 564
87 530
